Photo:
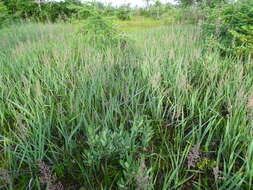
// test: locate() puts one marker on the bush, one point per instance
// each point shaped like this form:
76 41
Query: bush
101 32
123 14
31 10
231 27
188 15
183 16
80 12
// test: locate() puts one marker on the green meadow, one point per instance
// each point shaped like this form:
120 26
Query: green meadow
163 111
138 23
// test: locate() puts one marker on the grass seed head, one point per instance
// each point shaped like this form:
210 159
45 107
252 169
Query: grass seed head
193 156
48 178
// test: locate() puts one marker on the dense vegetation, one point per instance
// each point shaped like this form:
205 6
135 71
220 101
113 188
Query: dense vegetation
231 25
98 97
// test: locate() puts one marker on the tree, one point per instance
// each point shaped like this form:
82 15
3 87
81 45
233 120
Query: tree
158 6
186 3
148 3
209 3
73 1
39 3
123 12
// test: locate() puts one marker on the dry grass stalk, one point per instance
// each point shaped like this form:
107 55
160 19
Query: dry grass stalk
217 173
240 96
250 106
38 90
218 24
179 111
5 177
249 57
155 80
23 129
250 101
183 83
142 178
230 106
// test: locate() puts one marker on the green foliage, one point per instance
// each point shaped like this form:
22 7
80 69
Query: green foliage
53 11
80 12
101 31
138 24
200 3
3 13
123 13
63 10
188 15
183 16
29 9
157 10
231 26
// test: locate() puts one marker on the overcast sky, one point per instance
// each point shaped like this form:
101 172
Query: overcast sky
132 2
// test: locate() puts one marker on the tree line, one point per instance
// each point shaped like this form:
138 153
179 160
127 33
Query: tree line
44 10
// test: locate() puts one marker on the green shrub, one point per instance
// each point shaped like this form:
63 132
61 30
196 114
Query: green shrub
157 10
29 9
101 32
79 12
231 27
123 14
188 15
183 15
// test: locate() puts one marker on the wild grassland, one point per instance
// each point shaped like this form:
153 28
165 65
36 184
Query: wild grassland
161 113
138 23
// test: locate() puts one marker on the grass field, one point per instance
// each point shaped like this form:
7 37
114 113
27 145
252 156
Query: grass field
137 24
164 112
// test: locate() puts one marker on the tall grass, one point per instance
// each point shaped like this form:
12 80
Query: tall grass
157 114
